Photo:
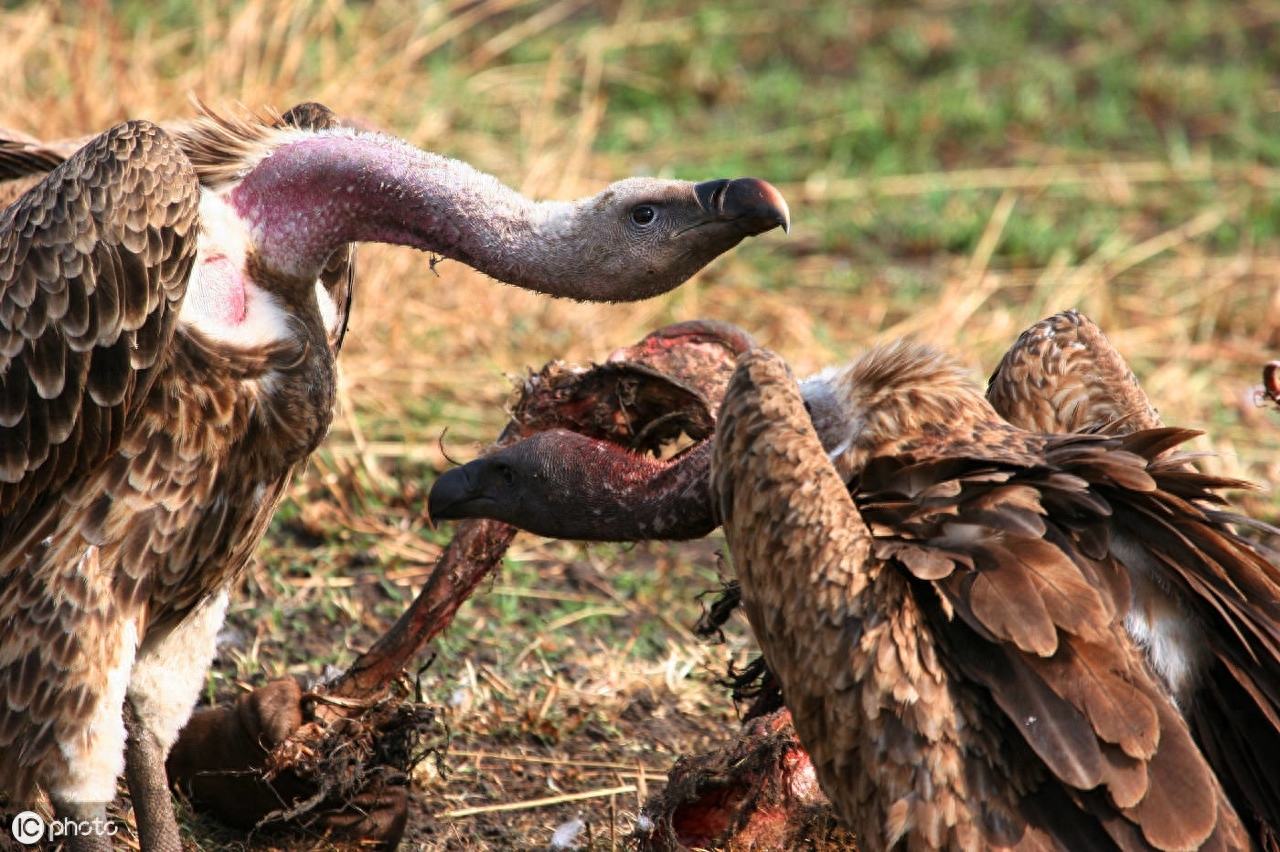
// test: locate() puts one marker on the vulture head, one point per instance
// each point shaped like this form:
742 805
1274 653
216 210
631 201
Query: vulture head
645 236
562 484
301 194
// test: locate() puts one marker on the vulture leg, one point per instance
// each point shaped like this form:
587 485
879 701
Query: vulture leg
162 690
85 814
144 769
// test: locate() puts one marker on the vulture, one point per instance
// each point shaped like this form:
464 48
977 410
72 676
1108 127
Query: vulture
171 308
1044 573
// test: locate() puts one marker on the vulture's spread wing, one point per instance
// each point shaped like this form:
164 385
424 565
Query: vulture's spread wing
1063 375
1015 571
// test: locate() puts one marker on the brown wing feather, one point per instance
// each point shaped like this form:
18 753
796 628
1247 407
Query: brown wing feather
953 708
1119 700
1106 682
22 156
1063 375
24 161
94 261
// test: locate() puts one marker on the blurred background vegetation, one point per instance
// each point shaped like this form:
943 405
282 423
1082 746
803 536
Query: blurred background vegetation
956 170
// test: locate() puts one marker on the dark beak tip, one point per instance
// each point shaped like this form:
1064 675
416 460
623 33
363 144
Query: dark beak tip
757 199
449 489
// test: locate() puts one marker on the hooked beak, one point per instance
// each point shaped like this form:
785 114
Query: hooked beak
450 495
753 202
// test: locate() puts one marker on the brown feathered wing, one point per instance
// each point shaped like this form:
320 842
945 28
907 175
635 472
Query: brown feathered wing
1063 375
951 643
93 264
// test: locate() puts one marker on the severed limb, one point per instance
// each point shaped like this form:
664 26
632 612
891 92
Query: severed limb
269 757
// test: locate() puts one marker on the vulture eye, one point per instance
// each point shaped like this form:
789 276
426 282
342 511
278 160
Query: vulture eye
643 215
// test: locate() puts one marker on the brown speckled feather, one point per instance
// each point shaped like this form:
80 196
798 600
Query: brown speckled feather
24 161
22 156
92 270
22 166
93 263
948 638
1063 375
141 462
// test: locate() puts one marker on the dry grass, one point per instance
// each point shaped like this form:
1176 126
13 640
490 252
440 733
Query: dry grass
540 672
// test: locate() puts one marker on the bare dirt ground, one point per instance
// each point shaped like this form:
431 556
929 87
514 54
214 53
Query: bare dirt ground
568 718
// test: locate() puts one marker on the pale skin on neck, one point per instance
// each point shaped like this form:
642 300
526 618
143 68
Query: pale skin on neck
329 188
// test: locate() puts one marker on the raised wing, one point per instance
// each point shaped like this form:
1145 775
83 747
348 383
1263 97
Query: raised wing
1012 570
1063 375
94 262
1229 591
1206 601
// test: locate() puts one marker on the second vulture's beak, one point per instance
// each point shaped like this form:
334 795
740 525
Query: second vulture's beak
450 494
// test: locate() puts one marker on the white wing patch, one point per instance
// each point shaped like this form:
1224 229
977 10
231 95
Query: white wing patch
1174 642
328 307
